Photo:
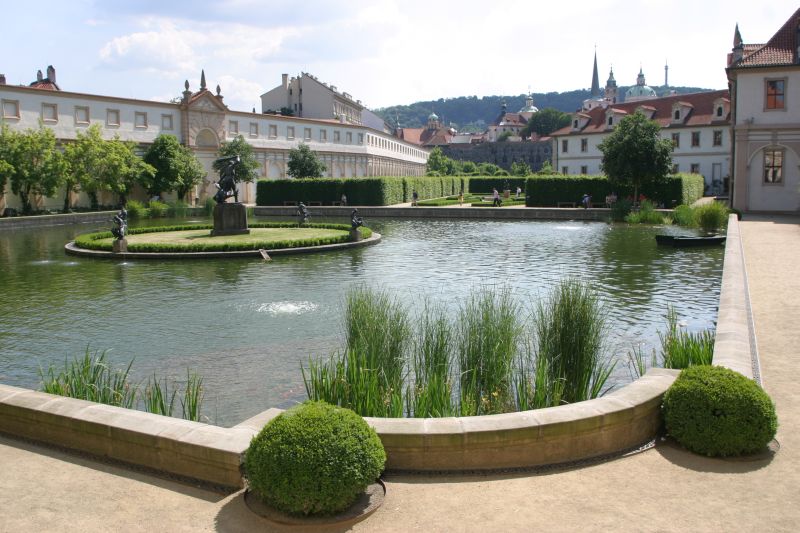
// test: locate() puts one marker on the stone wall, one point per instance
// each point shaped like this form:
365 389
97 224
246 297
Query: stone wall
502 154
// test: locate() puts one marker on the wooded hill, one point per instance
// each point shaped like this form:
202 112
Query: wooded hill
470 113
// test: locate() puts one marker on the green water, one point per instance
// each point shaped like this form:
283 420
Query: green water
247 325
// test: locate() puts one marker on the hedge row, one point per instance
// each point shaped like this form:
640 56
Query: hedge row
486 184
91 241
549 191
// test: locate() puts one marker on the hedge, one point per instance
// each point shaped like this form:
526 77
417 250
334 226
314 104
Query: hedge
485 184
549 190
434 186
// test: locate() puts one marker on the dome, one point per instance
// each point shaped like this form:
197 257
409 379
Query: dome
433 116
529 109
639 92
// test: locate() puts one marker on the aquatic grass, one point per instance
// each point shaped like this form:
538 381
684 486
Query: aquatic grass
157 397
193 395
685 215
178 209
431 394
91 378
569 334
489 333
681 349
646 214
135 209
712 216
157 209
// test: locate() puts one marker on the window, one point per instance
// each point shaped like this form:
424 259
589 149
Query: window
564 145
307 134
676 140
775 94
773 166
10 108
565 170
273 131
717 137
575 124
50 112
81 114
166 122
349 137
677 114
584 169
254 129
290 132
337 136
323 136
694 168
695 139
719 111
233 127
112 117
675 168
140 119
610 121
360 138
584 145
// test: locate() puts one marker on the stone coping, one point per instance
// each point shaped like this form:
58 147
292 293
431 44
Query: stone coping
616 422
72 249
494 213
62 219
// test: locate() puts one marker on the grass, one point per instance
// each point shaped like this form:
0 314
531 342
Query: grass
91 378
646 214
681 349
431 394
710 217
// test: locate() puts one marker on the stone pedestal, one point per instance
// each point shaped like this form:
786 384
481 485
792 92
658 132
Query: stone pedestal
230 219
355 235
119 246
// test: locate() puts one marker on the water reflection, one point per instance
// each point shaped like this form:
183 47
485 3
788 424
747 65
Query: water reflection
247 325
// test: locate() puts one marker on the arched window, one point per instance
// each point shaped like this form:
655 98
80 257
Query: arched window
677 114
610 121
206 139
719 111
575 124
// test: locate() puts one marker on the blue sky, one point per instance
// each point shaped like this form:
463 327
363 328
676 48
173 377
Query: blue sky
383 52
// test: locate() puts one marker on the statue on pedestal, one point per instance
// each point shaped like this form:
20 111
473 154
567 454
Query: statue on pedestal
355 220
302 213
227 179
121 220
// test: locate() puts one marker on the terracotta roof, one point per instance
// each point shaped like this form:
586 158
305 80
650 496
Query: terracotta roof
45 84
425 136
510 119
780 50
702 112
411 135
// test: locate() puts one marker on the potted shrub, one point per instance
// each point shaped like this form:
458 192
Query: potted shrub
313 459
714 411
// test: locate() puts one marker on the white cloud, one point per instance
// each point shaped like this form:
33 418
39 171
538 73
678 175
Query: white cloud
165 48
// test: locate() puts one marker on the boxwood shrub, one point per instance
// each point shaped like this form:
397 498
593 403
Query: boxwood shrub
92 241
314 459
359 191
714 411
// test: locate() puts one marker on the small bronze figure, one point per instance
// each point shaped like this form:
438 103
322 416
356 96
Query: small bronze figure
121 220
302 213
355 220
227 179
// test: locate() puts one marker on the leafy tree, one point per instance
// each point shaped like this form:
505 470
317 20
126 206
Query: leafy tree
6 149
176 167
96 164
503 137
488 169
468 167
437 161
31 162
304 163
635 153
520 168
545 122
547 168
247 167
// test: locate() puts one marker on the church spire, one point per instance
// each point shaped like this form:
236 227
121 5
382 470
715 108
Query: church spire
595 78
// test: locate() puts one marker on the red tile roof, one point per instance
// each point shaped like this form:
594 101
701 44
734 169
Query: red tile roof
701 114
425 136
45 84
780 50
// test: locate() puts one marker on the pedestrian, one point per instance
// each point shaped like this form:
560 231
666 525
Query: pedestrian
461 197
496 202
586 201
344 199
519 191
414 197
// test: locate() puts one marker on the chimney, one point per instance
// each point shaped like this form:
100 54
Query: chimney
51 73
39 76
2 79
285 81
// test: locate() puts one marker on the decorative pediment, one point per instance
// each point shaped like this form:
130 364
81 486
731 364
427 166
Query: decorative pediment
206 101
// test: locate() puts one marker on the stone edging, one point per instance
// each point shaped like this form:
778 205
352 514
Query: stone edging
72 249
494 213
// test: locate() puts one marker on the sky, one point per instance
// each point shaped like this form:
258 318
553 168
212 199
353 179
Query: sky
383 52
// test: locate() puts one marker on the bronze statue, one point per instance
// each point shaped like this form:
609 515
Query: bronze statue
121 220
303 213
227 179
355 220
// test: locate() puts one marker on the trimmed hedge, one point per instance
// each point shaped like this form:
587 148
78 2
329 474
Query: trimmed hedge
434 186
314 459
501 183
90 241
714 411
548 191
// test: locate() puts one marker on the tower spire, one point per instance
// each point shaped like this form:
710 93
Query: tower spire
595 77
202 79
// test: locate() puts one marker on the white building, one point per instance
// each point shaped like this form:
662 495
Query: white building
765 90
698 125
201 121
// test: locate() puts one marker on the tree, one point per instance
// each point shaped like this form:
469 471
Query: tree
437 161
520 168
468 167
176 167
546 122
247 167
303 163
112 165
634 153
503 137
31 162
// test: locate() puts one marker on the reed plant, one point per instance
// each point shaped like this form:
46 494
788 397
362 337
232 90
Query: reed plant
208 206
135 209
569 336
178 209
646 214
685 215
712 216
157 397
682 349
489 335
431 394
157 209
193 395
91 378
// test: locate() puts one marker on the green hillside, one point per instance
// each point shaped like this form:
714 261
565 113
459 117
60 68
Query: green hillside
470 113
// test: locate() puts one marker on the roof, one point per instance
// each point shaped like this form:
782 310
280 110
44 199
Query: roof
45 84
425 136
781 49
510 119
702 112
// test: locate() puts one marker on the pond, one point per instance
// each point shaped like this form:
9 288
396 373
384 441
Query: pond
247 326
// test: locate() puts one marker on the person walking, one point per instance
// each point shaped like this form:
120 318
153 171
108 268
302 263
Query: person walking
496 202
344 199
414 197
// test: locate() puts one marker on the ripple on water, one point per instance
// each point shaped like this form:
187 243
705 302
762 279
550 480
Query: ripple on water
287 308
